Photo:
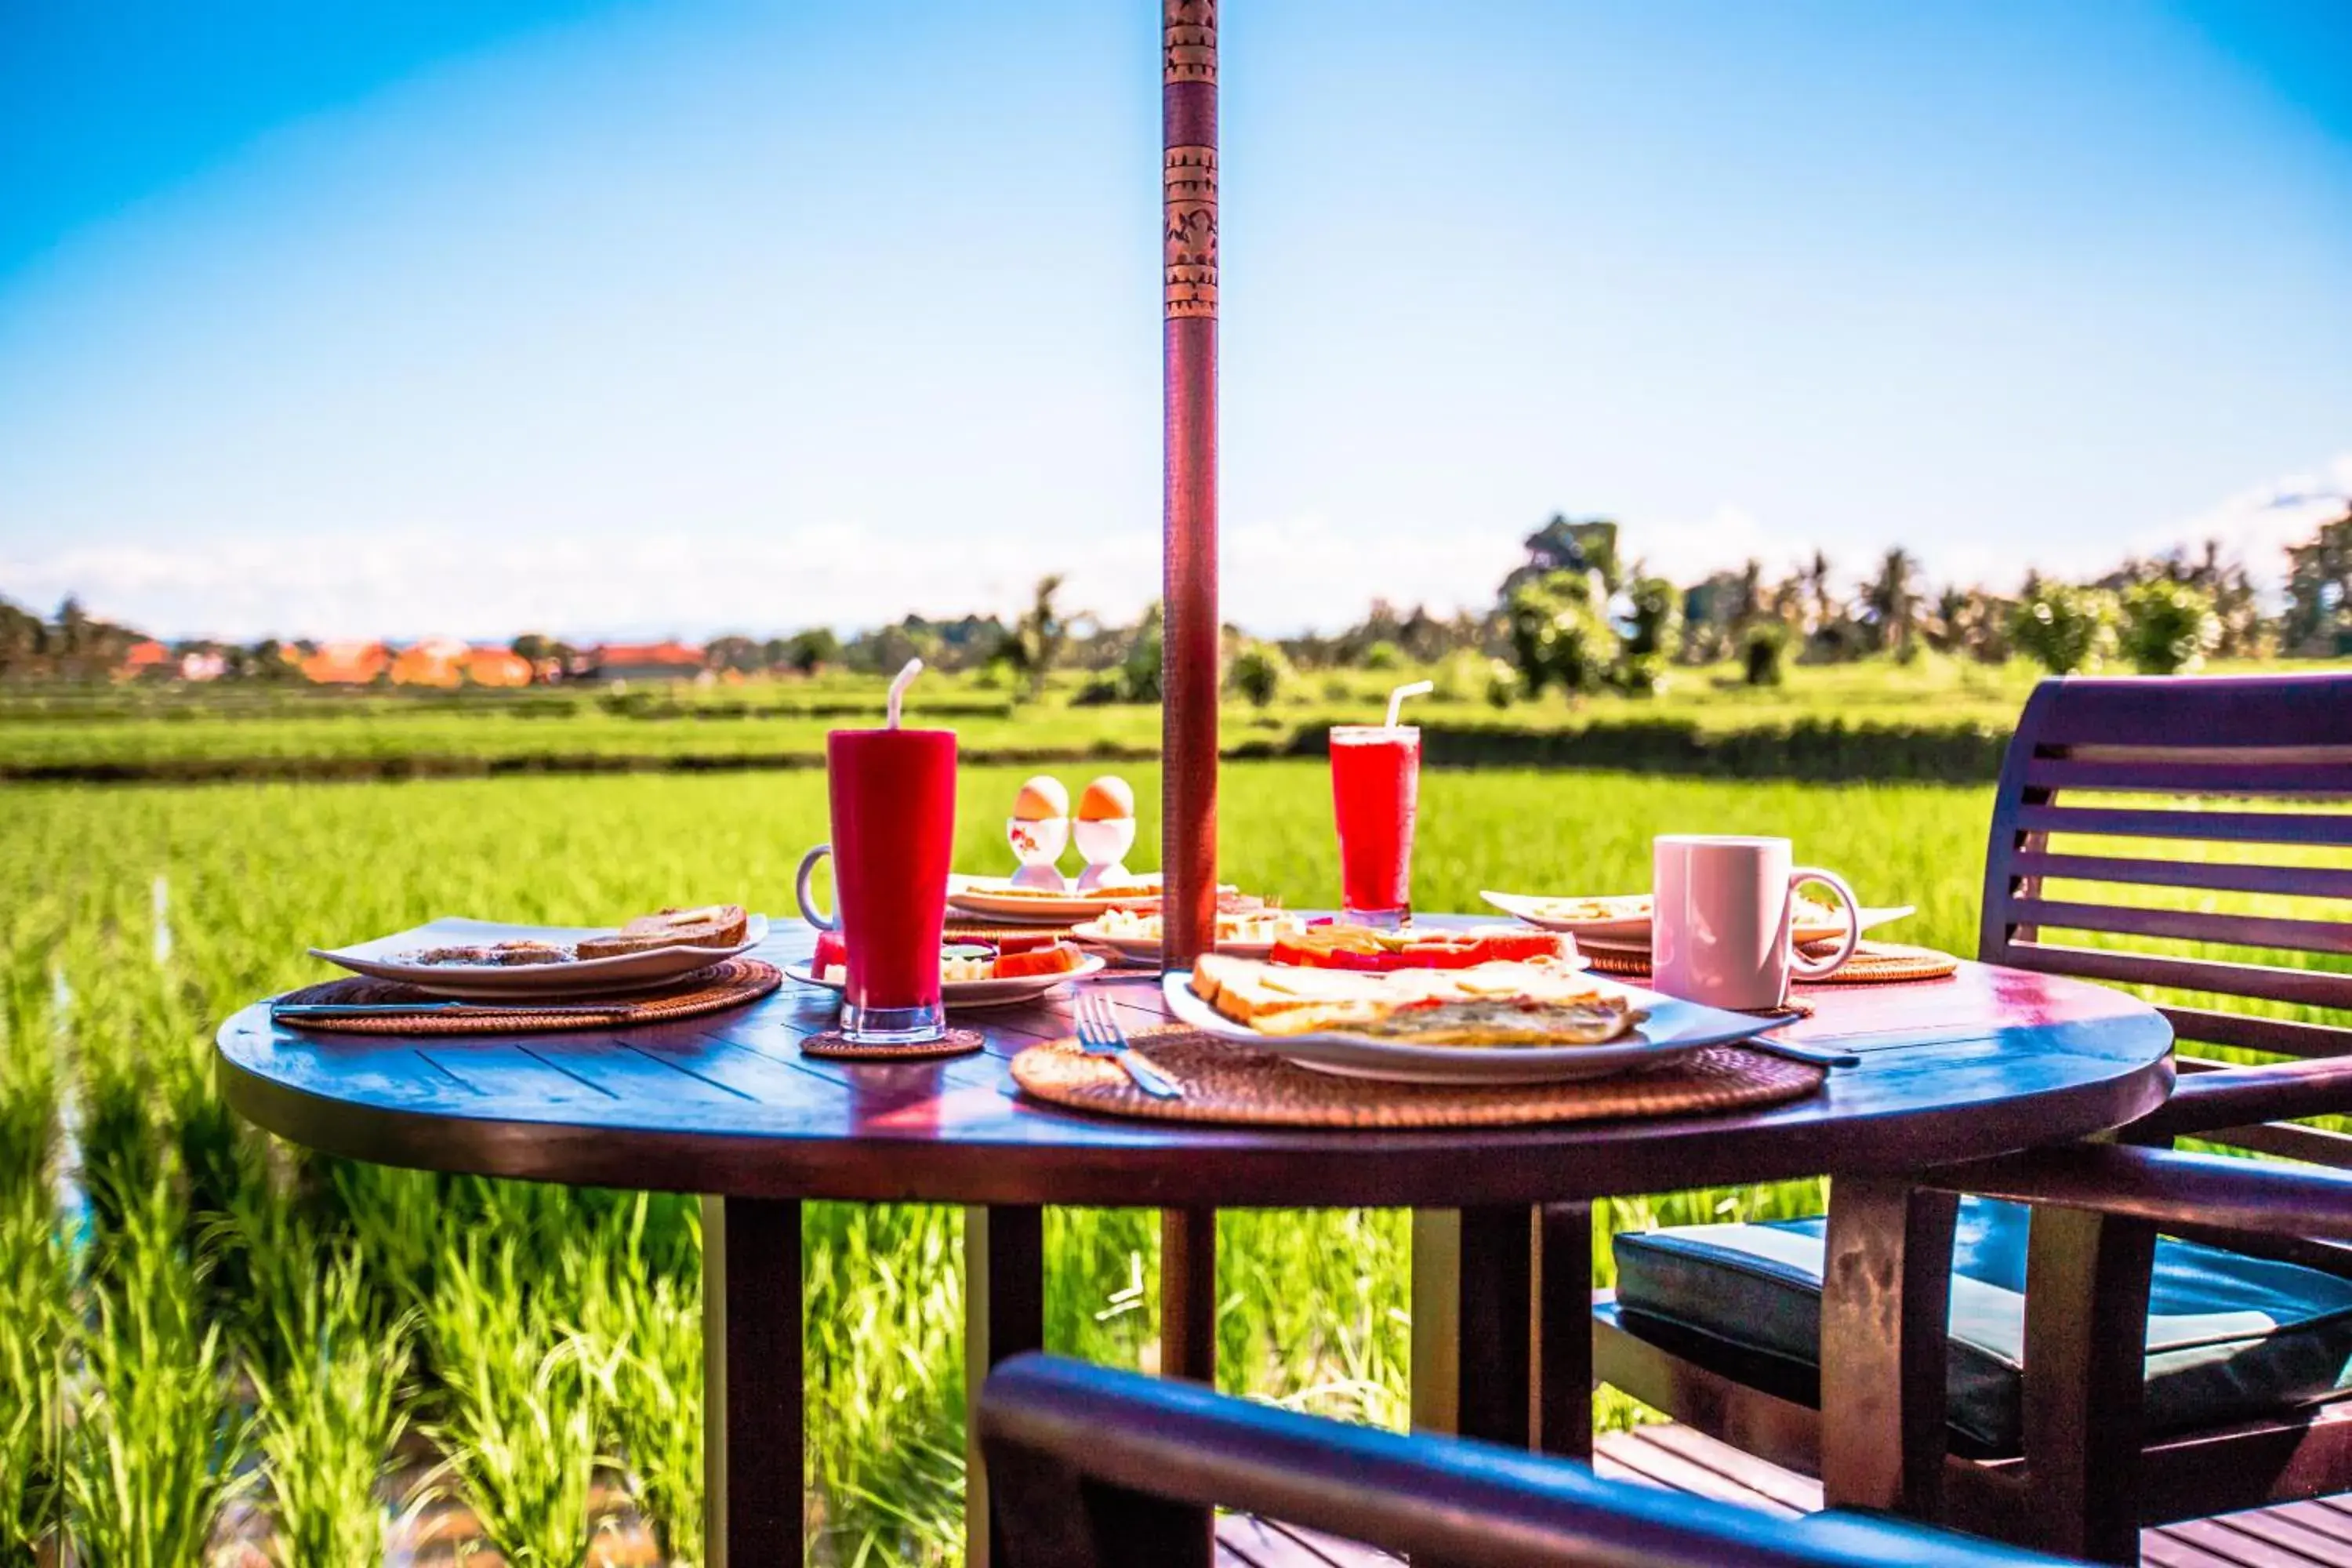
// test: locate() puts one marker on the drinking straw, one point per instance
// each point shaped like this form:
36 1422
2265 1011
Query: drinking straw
915 668
1409 688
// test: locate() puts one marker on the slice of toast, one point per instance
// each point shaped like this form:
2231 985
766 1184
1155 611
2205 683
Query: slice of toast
713 926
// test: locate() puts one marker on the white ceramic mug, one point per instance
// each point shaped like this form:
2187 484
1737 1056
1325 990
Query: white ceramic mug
1721 930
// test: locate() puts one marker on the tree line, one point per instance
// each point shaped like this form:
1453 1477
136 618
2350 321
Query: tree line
1575 615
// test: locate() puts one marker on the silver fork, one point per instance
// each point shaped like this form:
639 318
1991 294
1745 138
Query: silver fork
1100 1034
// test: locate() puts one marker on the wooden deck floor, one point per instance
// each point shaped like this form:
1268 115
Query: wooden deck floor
2292 1535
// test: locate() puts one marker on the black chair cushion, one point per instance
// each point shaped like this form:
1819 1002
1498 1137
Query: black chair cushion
2229 1337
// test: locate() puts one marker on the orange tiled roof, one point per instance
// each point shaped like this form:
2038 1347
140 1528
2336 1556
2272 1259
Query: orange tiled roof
674 653
347 663
146 656
497 666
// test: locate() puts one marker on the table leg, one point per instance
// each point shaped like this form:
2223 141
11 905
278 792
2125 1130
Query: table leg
1472 1343
1887 1273
1003 1315
1188 1337
751 1410
1563 1330
1188 1294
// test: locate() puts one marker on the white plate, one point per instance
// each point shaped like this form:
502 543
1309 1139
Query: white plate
1526 905
981 992
381 959
1674 1029
1146 949
1633 934
994 898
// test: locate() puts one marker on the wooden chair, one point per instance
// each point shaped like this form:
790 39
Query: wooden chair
2117 1419
1094 1468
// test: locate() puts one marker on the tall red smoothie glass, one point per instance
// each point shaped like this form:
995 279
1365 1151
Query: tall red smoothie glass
1375 794
893 796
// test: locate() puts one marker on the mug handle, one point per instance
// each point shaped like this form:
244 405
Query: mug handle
1800 966
800 888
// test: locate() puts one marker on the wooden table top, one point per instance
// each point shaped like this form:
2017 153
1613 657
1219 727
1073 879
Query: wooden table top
1989 1062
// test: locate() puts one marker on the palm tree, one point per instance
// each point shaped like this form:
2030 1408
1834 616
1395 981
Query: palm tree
1892 599
1036 643
1950 629
1821 602
1747 596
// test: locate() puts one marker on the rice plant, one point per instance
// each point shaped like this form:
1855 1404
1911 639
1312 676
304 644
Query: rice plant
159 1442
35 1340
329 1422
647 1323
522 1422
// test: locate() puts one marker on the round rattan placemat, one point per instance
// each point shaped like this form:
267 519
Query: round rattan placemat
1874 964
729 983
1244 1085
830 1045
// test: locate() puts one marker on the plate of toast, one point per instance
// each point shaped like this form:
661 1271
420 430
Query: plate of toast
493 960
1497 1022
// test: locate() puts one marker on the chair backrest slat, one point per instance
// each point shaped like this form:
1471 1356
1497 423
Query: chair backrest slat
2213 875
2253 1032
2257 712
2288 1140
2236 786
2261 982
2188 925
2219 826
2189 773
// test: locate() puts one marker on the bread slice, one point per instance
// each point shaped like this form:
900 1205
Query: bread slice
712 925
1498 1004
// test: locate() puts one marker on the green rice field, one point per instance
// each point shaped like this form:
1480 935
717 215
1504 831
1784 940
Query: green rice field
783 720
204 1334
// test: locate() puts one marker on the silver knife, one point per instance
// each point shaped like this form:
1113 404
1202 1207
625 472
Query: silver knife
1815 1056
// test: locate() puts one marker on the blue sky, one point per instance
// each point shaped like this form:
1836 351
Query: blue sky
461 315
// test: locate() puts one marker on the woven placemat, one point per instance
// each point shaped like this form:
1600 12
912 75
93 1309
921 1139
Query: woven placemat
1244 1085
1874 964
831 1045
729 983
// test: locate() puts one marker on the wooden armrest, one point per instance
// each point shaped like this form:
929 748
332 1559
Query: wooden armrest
2166 1188
2239 1097
1084 1463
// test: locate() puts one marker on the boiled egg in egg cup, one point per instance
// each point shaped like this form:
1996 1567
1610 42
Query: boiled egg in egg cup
1039 830
1106 832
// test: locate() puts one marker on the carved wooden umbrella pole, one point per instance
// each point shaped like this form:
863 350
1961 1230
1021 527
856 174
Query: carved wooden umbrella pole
1190 631
1188 668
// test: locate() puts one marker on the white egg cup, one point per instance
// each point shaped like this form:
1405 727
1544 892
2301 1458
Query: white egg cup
1103 846
1037 843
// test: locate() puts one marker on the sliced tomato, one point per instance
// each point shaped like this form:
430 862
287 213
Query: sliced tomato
832 952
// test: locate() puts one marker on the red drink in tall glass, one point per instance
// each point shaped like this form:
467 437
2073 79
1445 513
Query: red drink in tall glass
893 794
1375 791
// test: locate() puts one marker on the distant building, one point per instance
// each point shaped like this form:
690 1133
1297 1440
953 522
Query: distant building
497 666
151 659
348 664
204 663
643 661
435 661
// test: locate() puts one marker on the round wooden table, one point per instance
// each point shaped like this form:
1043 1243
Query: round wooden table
1986 1063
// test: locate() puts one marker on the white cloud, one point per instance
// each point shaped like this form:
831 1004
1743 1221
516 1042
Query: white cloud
2259 523
1275 577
